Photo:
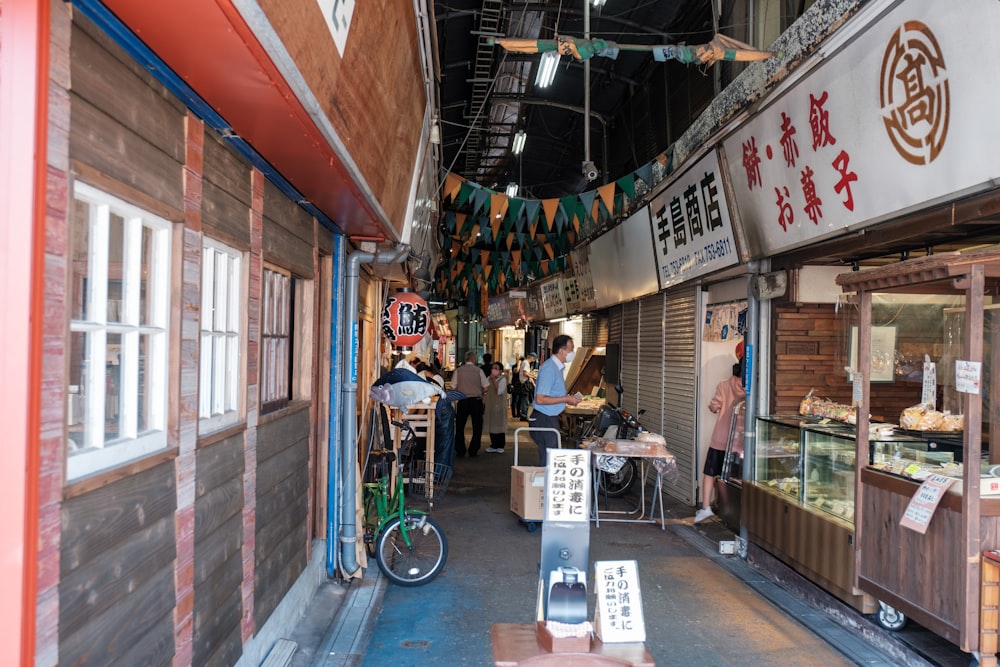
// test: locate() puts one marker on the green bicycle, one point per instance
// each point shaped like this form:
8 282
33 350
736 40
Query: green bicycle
408 545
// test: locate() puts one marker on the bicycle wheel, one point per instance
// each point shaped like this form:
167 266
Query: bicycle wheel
618 483
417 564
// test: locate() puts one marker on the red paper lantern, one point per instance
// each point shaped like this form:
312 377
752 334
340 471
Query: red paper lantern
405 319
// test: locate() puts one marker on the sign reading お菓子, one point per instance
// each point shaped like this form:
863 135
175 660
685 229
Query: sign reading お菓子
692 232
839 152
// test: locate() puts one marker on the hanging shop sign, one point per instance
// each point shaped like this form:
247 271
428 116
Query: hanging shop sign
498 312
692 230
911 126
580 297
624 263
405 319
553 302
527 308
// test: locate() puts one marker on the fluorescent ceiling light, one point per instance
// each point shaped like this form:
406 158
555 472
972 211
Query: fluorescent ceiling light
518 144
547 69
512 190
598 3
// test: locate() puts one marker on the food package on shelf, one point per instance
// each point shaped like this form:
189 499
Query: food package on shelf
823 407
922 417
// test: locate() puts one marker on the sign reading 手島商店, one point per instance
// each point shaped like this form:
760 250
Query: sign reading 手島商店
910 126
692 231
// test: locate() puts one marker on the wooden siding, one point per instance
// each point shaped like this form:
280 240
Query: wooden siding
123 124
282 508
375 104
218 533
226 198
116 590
288 233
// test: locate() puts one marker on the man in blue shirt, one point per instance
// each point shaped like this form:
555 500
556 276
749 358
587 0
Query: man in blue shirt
550 396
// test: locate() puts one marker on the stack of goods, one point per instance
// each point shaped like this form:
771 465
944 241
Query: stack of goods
924 418
814 406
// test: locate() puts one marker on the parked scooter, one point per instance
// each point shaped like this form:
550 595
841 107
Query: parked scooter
614 423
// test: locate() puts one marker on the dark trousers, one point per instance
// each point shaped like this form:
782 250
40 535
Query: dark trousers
497 440
545 440
469 407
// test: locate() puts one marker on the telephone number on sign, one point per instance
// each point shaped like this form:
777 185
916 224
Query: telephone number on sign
709 253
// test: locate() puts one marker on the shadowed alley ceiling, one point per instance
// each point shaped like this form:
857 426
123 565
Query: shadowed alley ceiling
488 93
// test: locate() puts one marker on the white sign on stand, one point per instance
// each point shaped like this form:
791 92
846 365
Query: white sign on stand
567 485
929 394
619 602
919 512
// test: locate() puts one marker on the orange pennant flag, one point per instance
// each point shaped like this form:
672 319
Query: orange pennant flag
460 221
551 207
487 270
516 255
549 251
452 185
596 210
510 240
498 208
607 193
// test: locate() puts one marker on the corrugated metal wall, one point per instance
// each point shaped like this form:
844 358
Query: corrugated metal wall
680 332
658 337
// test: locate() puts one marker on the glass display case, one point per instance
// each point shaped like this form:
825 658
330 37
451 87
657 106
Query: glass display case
778 454
829 454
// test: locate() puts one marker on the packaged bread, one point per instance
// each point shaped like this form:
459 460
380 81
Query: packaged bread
923 418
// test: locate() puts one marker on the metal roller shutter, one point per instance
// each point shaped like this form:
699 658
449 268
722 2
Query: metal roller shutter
651 366
630 355
681 389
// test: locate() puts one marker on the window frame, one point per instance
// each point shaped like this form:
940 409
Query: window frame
98 453
277 338
223 323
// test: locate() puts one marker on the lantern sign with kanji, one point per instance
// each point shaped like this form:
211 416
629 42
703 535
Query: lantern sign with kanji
405 319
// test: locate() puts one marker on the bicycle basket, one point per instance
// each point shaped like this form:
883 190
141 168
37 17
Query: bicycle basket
423 482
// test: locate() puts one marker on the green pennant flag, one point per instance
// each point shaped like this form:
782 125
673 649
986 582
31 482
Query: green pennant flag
645 173
514 208
569 205
464 193
481 199
627 185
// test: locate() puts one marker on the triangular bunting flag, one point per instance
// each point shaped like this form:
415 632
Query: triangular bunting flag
516 258
569 205
587 198
479 200
514 212
627 185
498 209
607 193
460 219
464 193
551 207
452 185
531 208
645 173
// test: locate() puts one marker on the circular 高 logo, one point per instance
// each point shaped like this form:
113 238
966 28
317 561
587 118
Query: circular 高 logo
913 93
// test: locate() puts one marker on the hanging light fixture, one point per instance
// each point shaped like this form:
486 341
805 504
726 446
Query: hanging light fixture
547 69
512 190
518 144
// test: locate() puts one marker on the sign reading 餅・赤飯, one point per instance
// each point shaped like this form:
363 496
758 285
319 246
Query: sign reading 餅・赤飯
692 230
910 126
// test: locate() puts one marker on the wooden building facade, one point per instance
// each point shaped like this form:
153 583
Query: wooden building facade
176 497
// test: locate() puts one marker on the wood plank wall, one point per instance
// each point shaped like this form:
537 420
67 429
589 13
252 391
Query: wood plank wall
282 490
810 349
218 534
116 588
118 537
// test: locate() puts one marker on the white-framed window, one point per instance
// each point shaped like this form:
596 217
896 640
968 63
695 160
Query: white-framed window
221 364
119 270
276 340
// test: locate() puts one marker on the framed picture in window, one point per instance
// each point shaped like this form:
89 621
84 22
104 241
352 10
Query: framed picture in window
883 353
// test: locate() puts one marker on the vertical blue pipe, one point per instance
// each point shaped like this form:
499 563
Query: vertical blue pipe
333 499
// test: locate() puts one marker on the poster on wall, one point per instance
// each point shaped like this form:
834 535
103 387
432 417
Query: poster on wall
584 280
817 161
553 302
692 230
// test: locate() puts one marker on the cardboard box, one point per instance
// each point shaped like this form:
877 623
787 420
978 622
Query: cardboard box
527 492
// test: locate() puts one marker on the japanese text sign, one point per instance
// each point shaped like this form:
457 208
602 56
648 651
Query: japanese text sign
692 232
923 503
553 302
967 376
567 485
619 602
837 152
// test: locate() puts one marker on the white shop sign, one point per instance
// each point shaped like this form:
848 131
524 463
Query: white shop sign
567 486
895 120
692 230
338 15
553 302
619 602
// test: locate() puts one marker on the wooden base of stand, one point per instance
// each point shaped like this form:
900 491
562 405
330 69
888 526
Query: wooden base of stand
516 644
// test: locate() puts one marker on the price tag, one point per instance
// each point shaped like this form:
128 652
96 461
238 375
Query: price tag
929 394
919 512
967 376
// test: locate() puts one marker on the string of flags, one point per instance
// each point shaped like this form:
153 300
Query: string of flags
492 242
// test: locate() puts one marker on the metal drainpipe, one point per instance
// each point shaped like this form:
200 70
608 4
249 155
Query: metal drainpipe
750 411
336 373
349 392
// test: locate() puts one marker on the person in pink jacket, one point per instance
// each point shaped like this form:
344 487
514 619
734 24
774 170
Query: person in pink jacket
727 395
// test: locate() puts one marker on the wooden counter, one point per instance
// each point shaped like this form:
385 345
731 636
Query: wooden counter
517 644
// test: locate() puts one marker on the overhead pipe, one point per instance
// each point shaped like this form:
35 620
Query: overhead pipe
349 394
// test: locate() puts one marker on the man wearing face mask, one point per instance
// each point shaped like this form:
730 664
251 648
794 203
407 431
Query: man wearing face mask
550 396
